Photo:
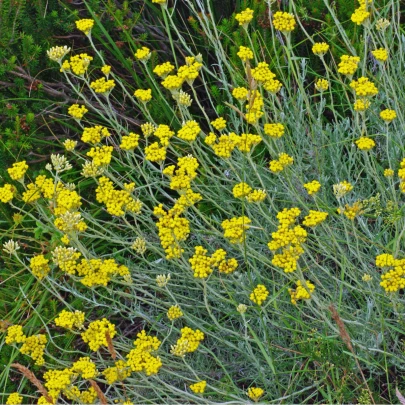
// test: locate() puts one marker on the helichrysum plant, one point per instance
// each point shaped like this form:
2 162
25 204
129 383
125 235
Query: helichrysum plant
208 244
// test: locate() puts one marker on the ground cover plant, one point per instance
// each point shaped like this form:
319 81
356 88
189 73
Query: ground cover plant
225 224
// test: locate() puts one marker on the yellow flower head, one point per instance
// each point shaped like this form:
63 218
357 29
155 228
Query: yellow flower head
312 187
244 17
302 292
348 64
14 399
322 85
380 54
360 15
284 22
245 53
77 111
199 387
388 115
255 393
85 25
276 130
143 95
259 294
365 143
18 170
320 48
143 54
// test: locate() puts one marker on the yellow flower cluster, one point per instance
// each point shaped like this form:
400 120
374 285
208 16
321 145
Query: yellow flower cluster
360 15
246 141
130 141
14 399
143 54
302 292
15 334
284 22
254 107
242 190
199 387
117 202
102 86
164 69
190 71
155 153
7 193
174 312
85 368
314 218
78 64
95 272
70 145
66 258
101 155
363 87
245 53
380 54
18 170
57 53
320 48
342 188
322 85
365 143
95 335
57 381
351 211
219 124
141 358
289 238
244 17
240 93
39 266
172 82
143 95
82 397
106 69
148 129
276 130
394 279
85 25
119 372
348 64
259 294
388 115
389 173
77 111
235 229
172 230
188 342
262 73
255 393
278 165
70 320
34 346
203 265
95 134
313 187
189 131
181 178
361 105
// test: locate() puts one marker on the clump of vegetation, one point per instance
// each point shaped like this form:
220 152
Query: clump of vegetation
225 221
